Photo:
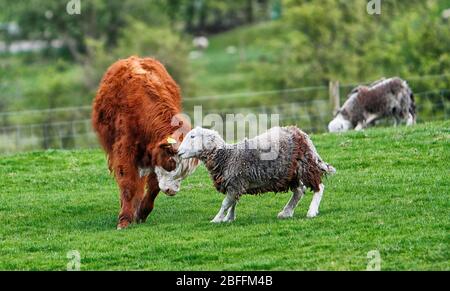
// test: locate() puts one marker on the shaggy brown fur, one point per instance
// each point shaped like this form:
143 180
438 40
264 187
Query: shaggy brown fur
132 115
373 99
309 172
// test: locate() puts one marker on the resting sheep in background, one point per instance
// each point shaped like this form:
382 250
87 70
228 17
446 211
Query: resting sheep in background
367 104
282 159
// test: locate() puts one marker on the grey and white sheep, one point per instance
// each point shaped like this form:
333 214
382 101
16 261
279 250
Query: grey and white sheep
282 159
367 104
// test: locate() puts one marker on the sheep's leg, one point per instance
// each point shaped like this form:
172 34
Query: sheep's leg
371 118
396 121
288 210
315 203
231 216
410 120
360 126
226 203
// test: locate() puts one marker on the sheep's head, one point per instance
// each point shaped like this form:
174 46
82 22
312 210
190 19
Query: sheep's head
198 141
339 124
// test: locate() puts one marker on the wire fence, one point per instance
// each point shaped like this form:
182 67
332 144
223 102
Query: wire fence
70 127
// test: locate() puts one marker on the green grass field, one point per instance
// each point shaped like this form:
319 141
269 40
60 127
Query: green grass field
391 194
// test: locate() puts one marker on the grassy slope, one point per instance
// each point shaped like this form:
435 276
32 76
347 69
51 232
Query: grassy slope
391 194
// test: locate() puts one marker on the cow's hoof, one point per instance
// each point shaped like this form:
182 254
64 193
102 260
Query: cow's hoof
123 224
142 215
141 220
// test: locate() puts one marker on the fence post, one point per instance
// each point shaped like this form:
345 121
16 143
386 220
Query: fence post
17 137
334 96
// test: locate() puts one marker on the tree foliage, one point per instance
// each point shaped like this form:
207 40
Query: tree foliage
313 42
327 39
139 39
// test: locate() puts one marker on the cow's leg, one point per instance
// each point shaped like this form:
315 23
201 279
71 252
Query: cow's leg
288 210
131 192
315 203
148 201
127 177
229 200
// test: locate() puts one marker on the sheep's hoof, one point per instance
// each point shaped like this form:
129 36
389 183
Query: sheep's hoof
284 215
228 220
216 220
312 214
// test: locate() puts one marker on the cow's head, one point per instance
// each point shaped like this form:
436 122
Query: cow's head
164 161
170 182
162 155
340 123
